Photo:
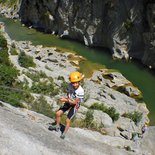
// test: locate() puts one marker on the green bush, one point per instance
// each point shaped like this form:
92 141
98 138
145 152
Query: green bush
88 121
13 51
25 60
4 57
8 2
136 116
3 42
41 106
12 96
8 75
36 76
44 88
111 111
98 106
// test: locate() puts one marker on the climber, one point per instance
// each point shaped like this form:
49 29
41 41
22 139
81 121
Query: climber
75 95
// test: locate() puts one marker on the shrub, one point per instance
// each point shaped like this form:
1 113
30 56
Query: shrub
8 2
136 116
98 106
4 57
41 106
128 24
13 51
36 76
3 42
61 78
8 75
44 88
111 111
12 97
88 121
25 60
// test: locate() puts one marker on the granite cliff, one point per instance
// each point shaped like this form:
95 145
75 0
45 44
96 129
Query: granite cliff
125 27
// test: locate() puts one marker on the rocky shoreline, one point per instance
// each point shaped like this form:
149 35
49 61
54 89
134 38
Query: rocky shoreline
104 90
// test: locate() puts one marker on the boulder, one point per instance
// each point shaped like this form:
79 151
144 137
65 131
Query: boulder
102 118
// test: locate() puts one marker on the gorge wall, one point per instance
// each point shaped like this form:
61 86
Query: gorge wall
125 27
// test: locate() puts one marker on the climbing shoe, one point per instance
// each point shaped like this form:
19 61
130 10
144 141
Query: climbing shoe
54 127
62 136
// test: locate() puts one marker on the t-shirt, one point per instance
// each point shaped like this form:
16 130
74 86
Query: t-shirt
75 93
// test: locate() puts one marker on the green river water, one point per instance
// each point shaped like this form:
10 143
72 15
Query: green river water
140 76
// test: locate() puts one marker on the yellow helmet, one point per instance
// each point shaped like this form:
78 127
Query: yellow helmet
75 76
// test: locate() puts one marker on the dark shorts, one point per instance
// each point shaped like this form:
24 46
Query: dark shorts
72 110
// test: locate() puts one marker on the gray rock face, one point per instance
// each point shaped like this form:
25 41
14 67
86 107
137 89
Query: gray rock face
120 26
149 37
102 118
25 132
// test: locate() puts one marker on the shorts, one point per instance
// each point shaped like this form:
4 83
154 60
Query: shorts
72 111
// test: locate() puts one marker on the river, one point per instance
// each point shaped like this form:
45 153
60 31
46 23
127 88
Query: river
135 72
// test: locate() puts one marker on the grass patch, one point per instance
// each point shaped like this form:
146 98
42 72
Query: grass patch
3 42
111 111
36 76
136 116
25 60
44 88
41 106
87 68
8 75
13 97
4 57
8 2
87 122
13 51
42 84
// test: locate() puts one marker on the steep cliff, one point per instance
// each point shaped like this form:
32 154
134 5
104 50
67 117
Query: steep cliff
119 25
125 27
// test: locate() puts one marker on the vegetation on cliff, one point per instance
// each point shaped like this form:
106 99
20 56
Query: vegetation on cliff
8 2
